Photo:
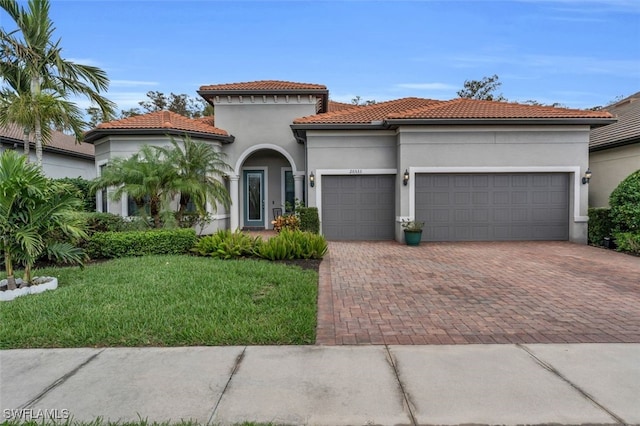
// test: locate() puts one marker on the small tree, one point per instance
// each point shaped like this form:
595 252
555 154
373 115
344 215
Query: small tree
33 210
147 177
199 168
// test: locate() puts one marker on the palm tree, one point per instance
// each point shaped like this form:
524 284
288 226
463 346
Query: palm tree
38 59
146 177
199 167
32 209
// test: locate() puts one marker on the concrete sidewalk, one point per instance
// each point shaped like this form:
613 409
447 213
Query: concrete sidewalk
339 385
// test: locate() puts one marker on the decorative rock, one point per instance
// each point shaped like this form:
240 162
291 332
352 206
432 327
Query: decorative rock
45 283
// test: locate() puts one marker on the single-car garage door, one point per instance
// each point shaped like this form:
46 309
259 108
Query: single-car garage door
493 206
360 207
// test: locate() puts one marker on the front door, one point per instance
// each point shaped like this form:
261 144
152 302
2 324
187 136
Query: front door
254 198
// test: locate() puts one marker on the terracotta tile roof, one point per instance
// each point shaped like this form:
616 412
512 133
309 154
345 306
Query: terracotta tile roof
339 106
478 109
368 113
59 141
626 130
163 120
263 85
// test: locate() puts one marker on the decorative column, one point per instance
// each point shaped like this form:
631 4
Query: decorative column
297 186
234 211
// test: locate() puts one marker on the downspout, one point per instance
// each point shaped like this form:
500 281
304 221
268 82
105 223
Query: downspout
302 140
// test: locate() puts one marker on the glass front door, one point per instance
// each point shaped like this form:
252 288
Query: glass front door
254 198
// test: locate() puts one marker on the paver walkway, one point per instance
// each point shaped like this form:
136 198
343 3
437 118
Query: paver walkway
458 293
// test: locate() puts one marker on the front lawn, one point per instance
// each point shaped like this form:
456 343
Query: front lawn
166 301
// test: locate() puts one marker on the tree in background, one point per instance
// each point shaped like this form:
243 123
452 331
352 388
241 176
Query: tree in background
359 101
31 52
157 101
482 89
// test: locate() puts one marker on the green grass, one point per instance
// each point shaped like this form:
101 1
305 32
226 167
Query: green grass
166 301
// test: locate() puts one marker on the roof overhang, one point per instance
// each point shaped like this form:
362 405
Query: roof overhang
592 122
614 144
48 148
323 93
300 130
95 134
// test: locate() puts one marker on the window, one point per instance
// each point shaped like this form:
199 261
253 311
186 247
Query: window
289 191
104 207
132 207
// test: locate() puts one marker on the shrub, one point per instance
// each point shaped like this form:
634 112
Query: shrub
600 225
104 222
83 192
309 219
288 245
225 244
625 204
290 222
628 241
139 243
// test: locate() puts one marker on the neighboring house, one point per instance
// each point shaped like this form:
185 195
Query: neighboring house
614 150
471 170
61 157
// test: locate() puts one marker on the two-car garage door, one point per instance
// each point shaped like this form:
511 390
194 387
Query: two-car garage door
454 207
493 206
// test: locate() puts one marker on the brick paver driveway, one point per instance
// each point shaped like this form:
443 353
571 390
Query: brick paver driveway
451 293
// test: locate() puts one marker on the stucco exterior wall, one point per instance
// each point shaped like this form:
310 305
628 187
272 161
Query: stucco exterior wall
349 152
60 166
609 168
261 128
471 149
261 123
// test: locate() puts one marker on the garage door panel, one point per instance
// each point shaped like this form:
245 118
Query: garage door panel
358 207
503 206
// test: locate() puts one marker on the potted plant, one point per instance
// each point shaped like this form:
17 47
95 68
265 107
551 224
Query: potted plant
412 232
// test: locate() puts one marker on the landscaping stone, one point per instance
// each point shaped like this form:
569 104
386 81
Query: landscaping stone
39 285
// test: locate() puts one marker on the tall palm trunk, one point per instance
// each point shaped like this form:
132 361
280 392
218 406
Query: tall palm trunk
35 92
27 142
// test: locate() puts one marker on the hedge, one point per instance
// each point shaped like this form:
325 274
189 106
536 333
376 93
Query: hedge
600 225
628 241
309 219
106 245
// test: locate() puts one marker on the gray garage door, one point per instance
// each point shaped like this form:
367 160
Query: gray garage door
493 207
358 207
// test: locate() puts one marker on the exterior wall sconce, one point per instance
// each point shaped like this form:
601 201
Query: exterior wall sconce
405 177
587 177
312 180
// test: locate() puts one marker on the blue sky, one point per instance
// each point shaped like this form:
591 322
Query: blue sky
578 53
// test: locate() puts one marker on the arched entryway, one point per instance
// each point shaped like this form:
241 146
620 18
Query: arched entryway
265 178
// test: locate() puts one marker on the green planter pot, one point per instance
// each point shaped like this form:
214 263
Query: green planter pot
412 238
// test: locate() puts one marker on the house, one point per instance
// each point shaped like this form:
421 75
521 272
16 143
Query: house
614 150
471 170
61 157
